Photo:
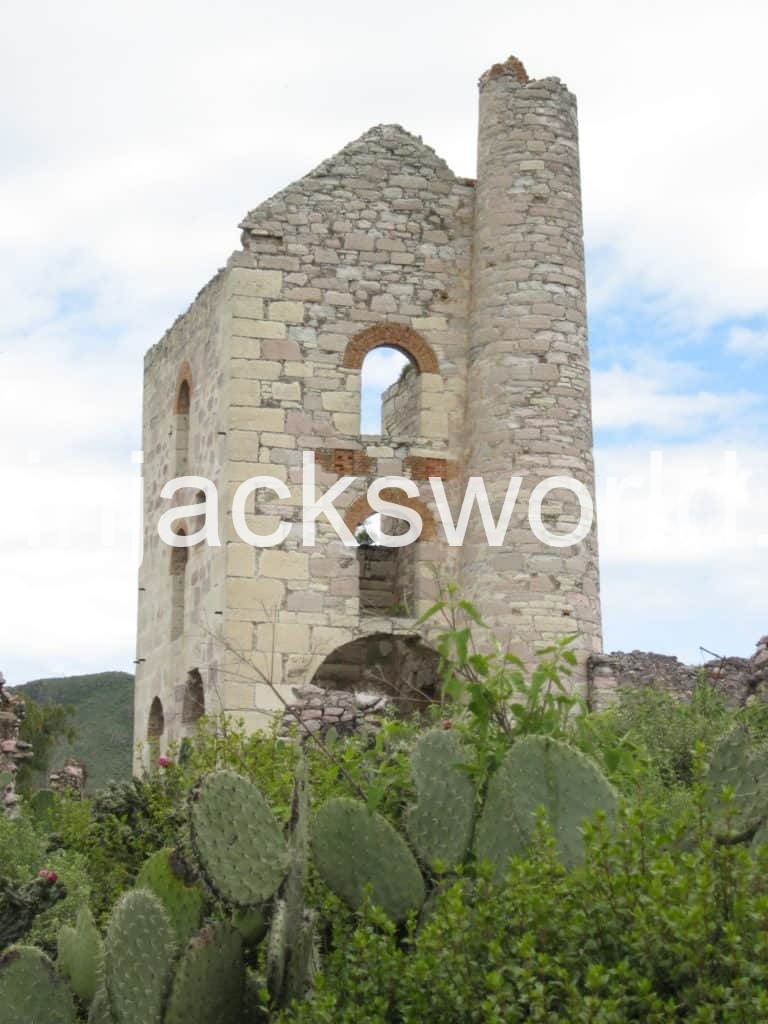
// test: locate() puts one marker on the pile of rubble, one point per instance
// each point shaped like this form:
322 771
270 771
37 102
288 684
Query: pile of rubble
318 710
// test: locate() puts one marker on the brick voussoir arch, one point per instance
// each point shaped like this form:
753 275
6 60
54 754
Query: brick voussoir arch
394 336
360 509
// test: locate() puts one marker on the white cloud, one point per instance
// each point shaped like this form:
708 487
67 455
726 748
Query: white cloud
748 342
665 397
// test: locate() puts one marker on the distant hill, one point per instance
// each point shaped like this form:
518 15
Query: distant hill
103 718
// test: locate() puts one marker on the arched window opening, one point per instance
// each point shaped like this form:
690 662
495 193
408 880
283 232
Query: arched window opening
156 723
193 706
390 389
198 521
155 728
182 405
386 574
403 668
178 587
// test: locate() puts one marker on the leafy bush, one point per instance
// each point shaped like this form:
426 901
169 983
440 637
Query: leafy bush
643 932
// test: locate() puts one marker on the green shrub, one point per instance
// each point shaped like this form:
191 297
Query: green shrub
642 933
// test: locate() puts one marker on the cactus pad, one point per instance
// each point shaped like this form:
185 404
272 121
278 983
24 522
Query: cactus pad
541 772
81 953
251 922
237 839
353 849
31 992
138 959
167 876
100 1012
737 765
210 979
440 824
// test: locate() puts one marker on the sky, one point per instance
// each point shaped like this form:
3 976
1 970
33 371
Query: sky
135 136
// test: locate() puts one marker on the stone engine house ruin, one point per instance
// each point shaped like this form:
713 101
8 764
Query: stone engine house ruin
480 284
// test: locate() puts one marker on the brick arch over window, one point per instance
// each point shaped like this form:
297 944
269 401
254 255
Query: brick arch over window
183 397
360 509
396 336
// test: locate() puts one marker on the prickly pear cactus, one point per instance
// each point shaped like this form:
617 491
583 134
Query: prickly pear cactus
276 952
237 840
21 904
291 955
353 848
538 771
303 961
138 959
251 922
440 824
291 944
210 980
169 878
738 766
80 955
31 992
100 1012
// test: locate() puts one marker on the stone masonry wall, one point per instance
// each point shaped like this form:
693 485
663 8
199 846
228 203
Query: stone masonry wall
400 407
739 679
528 407
192 350
373 247
12 750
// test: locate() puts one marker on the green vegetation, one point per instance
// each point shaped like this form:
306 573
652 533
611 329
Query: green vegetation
512 858
98 730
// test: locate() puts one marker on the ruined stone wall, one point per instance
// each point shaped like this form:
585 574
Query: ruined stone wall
193 350
371 248
738 679
483 288
528 411
13 751
401 407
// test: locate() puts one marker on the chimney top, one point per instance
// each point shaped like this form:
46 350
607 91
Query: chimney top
511 66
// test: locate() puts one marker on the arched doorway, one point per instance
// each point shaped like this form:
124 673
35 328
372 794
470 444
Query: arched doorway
403 668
